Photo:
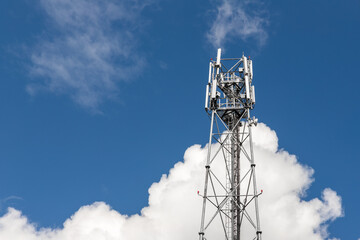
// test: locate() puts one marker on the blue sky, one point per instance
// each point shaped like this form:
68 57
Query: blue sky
97 103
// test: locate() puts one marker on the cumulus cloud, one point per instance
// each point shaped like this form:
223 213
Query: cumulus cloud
174 207
89 48
238 19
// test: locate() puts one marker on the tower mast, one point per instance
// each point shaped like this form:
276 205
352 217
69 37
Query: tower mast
230 197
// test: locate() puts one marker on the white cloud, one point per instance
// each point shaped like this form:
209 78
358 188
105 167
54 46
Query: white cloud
92 47
238 19
174 207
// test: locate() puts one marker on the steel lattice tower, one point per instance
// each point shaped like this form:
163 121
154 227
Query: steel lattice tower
230 198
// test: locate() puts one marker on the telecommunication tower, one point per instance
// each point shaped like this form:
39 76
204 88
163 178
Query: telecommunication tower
230 197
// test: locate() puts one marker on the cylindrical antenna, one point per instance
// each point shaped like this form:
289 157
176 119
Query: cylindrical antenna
246 77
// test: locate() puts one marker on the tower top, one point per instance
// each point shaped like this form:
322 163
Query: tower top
230 89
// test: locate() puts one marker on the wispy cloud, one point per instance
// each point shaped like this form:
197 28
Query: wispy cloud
89 48
238 19
7 200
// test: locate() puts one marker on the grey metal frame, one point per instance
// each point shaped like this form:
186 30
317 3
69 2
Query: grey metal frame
234 200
